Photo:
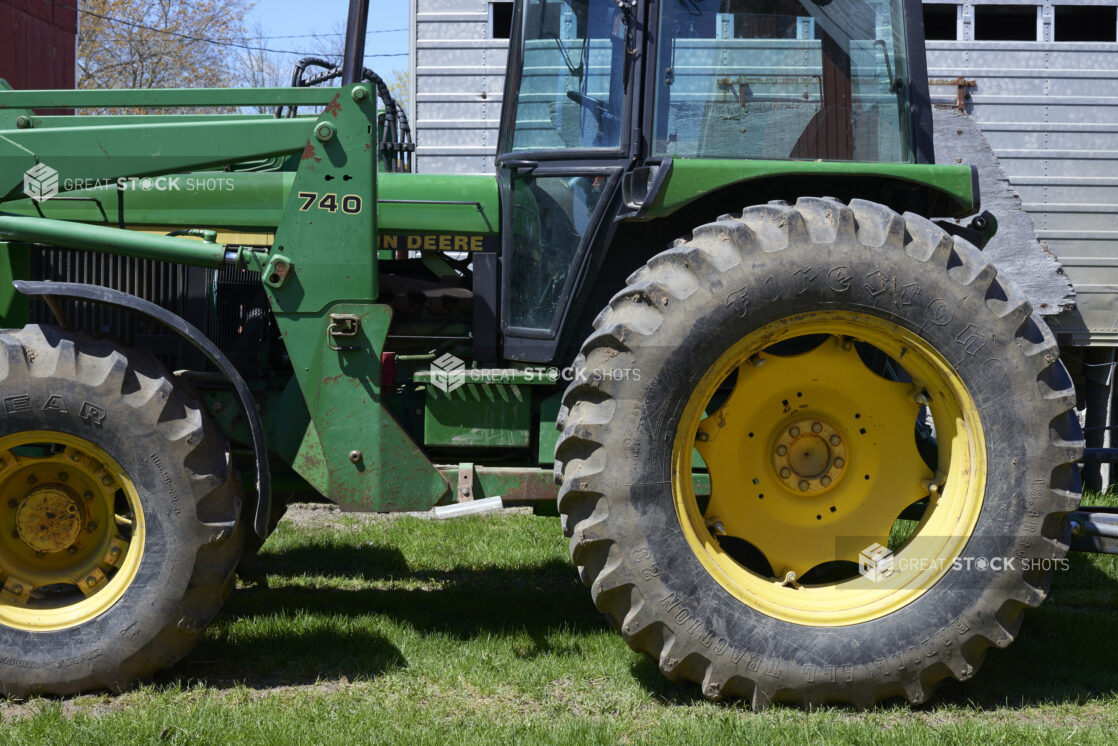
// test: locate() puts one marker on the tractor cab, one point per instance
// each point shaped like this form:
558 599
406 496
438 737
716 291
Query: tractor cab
603 93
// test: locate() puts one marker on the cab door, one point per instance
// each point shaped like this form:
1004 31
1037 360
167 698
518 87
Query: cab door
563 147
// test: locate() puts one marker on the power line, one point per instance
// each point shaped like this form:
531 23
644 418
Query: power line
204 40
339 33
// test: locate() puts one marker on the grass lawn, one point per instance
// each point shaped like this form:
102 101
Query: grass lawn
376 630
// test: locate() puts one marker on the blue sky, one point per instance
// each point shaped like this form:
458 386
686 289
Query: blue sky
299 19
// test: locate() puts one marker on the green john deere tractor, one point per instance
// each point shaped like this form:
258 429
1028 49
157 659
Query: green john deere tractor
809 446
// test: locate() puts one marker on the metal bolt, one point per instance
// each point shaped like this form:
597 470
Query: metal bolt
794 432
106 481
702 437
17 589
63 476
804 485
816 427
360 94
87 496
922 398
75 457
825 480
23 122
839 463
355 456
789 579
13 503
785 472
1076 528
114 551
91 581
91 526
71 550
835 440
40 553
32 479
324 132
781 450
218 406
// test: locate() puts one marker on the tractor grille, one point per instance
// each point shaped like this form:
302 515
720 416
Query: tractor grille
218 302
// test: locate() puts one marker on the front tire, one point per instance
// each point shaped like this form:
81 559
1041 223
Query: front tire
119 515
888 439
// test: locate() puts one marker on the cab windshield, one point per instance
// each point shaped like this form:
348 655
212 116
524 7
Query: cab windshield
783 79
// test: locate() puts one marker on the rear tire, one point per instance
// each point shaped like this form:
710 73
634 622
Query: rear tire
104 436
680 576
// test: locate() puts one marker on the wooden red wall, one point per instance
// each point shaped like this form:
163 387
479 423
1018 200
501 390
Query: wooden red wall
38 40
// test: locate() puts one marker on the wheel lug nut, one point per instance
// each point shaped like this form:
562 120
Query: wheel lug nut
87 496
780 451
835 440
786 472
63 476
91 526
13 503
839 463
32 479
825 480
816 427
804 485
794 432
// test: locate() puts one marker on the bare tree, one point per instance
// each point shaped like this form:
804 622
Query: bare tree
261 68
160 43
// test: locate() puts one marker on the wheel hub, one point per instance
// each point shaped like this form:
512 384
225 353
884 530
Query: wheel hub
809 455
49 519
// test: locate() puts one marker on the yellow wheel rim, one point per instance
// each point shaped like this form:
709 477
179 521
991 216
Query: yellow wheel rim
812 453
71 531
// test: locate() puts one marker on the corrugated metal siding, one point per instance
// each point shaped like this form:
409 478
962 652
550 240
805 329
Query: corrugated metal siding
38 41
1050 113
459 79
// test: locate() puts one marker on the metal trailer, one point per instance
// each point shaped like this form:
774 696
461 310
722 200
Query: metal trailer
1041 81
459 51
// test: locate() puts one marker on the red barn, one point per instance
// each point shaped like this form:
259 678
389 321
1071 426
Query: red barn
38 43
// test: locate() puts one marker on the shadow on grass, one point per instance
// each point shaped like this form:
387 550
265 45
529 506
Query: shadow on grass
1065 652
281 634
286 658
294 634
367 562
